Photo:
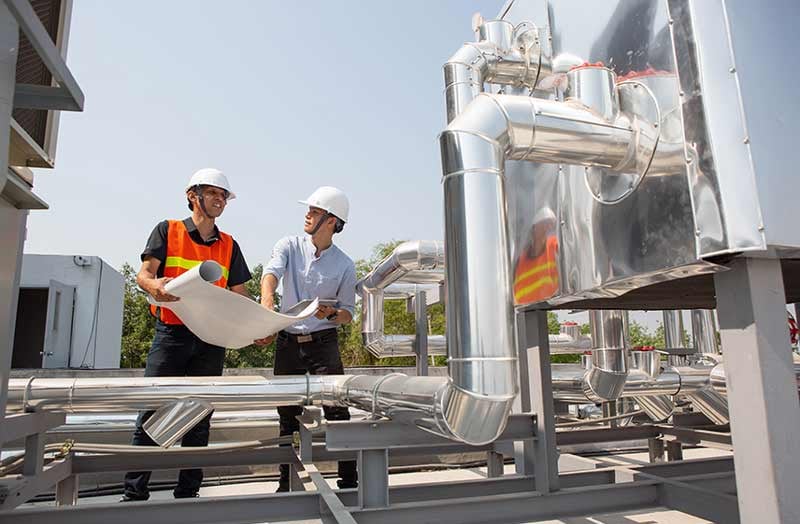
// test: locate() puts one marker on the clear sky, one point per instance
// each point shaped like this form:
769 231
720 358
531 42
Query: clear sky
282 96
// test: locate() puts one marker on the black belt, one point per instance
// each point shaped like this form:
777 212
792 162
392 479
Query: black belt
316 336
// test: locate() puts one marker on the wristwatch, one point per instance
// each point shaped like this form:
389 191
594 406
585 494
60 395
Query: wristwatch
333 316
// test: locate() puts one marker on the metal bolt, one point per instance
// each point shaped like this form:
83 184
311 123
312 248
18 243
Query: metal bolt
746 140
697 232
688 160
680 93
761 228
671 21
655 124
374 426
732 70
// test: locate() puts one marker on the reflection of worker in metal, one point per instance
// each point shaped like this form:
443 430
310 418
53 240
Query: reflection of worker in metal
312 266
536 271
174 247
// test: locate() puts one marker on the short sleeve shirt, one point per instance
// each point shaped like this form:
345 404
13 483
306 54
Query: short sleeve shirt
156 247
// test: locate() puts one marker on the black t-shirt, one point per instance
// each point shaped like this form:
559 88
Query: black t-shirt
156 247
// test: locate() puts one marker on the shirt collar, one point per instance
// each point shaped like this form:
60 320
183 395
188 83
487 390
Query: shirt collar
191 228
313 249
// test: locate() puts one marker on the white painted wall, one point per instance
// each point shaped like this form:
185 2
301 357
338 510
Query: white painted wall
95 344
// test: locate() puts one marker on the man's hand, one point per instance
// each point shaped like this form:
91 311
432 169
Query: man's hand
266 341
325 311
157 291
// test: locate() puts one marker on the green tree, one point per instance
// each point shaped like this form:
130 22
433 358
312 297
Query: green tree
138 325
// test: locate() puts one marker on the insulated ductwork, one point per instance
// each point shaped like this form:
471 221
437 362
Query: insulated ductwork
503 55
704 332
673 335
413 263
606 377
657 407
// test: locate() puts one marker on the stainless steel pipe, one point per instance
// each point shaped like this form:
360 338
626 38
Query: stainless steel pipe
704 332
606 378
493 59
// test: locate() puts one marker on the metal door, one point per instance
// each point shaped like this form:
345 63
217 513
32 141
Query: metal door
58 329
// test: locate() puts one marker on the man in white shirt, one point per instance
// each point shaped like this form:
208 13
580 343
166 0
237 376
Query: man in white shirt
312 266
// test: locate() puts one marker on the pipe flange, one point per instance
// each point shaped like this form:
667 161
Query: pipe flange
639 104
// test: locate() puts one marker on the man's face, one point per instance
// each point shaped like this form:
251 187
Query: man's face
313 215
214 198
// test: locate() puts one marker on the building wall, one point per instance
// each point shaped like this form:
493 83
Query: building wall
97 317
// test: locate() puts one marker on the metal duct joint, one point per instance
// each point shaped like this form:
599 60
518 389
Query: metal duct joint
503 55
414 262
605 379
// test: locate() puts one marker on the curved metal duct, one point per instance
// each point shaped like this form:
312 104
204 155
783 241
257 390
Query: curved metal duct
499 57
409 262
606 377
659 407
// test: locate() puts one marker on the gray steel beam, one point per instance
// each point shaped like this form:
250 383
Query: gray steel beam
382 434
40 40
592 436
67 491
516 507
32 96
494 464
24 424
534 339
25 487
421 333
181 459
655 450
255 508
762 389
373 478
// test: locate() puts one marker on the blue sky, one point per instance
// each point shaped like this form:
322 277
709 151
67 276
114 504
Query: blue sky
282 96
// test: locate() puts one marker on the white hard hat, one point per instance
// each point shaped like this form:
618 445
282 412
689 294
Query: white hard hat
330 199
208 176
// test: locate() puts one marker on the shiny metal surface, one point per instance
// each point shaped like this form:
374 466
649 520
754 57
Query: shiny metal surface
172 421
673 335
412 263
704 332
501 56
606 378
649 362
607 250
659 408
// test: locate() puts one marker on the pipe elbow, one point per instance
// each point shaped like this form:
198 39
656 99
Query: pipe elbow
469 417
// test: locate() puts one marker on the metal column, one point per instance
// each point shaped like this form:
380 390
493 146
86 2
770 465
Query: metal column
534 356
12 220
421 339
762 389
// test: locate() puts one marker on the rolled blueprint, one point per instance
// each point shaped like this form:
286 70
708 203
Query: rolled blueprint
219 316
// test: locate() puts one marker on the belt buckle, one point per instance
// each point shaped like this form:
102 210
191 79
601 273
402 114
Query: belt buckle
304 338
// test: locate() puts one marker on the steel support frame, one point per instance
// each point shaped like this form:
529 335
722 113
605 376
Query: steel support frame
536 395
697 487
421 332
762 389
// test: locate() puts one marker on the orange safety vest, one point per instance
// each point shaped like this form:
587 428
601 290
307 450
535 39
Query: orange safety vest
536 279
183 254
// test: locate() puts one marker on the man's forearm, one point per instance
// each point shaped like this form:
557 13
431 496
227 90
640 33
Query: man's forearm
268 286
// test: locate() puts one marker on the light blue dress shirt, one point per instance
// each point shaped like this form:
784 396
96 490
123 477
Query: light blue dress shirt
332 275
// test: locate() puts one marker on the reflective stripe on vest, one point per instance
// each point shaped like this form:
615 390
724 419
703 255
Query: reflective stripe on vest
183 254
536 279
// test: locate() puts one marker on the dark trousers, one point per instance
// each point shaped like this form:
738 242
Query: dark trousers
176 352
320 356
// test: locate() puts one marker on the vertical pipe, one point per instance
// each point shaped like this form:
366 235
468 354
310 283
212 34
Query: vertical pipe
605 380
673 335
704 332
